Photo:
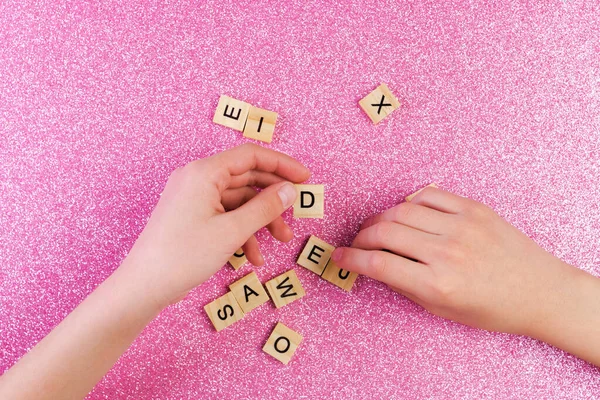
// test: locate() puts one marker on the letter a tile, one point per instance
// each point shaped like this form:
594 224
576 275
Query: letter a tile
224 311
282 343
285 288
315 255
310 202
249 292
231 113
379 103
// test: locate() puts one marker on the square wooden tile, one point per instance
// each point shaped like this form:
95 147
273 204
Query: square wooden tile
282 343
224 311
339 277
310 202
238 259
315 255
249 292
285 288
411 196
231 113
379 103
260 124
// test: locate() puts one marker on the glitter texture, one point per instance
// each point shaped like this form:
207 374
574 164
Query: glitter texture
99 101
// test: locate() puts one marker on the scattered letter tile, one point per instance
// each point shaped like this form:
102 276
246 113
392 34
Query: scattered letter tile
249 292
224 311
238 259
282 343
315 255
379 103
285 288
339 277
260 124
231 113
310 202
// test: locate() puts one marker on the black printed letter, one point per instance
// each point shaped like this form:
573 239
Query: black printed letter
260 124
313 252
248 291
287 288
380 105
230 115
342 275
222 314
239 255
312 200
287 344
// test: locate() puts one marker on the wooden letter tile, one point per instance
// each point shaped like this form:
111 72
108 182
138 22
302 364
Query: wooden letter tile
260 124
238 259
282 343
310 202
339 277
224 311
231 113
249 292
411 196
379 103
315 255
285 288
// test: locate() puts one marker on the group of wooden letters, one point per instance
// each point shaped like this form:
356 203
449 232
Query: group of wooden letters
248 293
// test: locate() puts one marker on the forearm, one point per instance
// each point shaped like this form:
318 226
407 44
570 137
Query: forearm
571 319
69 361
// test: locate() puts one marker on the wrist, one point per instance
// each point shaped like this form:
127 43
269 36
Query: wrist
139 287
565 308
549 300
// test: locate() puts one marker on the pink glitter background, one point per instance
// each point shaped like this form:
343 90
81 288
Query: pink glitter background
99 102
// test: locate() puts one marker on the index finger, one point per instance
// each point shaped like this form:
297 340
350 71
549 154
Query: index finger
249 157
393 270
441 200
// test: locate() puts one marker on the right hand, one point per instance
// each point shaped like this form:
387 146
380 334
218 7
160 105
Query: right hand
468 264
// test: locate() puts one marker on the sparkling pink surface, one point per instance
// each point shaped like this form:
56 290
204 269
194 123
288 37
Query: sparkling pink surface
99 102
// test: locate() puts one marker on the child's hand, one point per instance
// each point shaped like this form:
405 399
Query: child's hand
473 267
207 211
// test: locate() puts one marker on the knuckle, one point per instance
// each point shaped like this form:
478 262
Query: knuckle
478 210
445 292
193 169
378 265
382 231
248 146
451 251
403 212
427 190
176 173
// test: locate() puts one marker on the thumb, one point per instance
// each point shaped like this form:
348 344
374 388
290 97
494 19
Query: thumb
263 208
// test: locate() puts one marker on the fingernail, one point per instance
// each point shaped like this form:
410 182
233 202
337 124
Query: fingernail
287 194
337 254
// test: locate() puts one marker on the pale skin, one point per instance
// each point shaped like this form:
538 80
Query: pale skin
470 266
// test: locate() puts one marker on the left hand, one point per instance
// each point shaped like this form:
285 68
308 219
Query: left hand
208 210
